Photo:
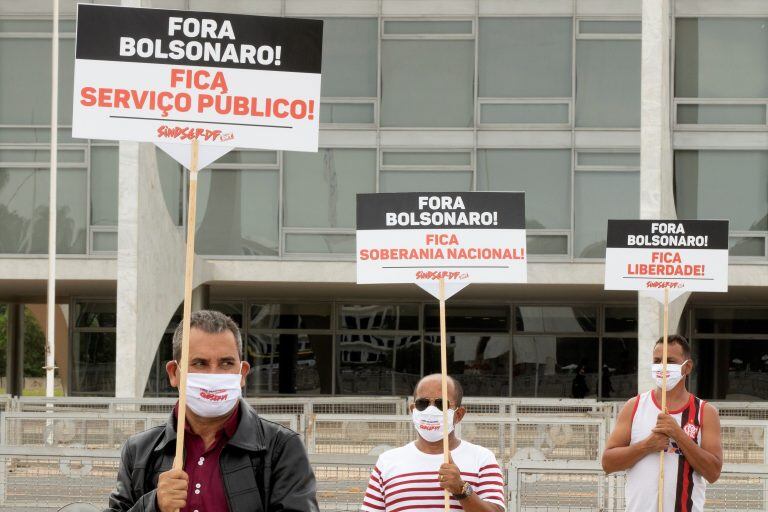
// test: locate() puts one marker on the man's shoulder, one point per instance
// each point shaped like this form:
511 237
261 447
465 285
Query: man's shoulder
480 451
396 454
146 439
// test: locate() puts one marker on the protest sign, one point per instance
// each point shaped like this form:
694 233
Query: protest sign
462 238
170 77
676 255
441 242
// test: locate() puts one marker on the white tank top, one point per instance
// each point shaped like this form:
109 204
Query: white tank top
684 488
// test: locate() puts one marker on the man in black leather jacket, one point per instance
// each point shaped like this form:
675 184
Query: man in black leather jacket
241 462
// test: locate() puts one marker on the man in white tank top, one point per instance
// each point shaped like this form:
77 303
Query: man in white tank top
689 435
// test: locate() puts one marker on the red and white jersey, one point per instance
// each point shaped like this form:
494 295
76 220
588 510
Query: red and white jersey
684 488
405 479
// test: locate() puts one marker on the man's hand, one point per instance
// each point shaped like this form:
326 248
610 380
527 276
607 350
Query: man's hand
450 477
656 442
668 426
172 490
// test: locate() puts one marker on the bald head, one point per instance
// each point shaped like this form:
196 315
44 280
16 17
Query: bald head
431 386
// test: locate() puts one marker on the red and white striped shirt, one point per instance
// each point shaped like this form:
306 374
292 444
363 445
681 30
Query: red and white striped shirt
405 479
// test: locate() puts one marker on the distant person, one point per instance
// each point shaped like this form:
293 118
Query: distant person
579 387
689 436
414 478
606 380
234 461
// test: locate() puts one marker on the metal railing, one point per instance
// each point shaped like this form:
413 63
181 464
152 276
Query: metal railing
587 407
581 486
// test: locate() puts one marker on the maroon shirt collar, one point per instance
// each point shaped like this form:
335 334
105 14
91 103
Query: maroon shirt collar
229 428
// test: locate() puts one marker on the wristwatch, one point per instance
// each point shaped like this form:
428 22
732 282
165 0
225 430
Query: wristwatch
466 492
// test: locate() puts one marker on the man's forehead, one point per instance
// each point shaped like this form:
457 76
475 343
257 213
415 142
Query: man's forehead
432 387
205 345
673 350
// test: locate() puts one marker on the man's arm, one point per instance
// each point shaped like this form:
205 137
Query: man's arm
707 459
619 454
122 498
294 487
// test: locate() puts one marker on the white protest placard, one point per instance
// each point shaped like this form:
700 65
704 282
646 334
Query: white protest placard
678 255
422 237
170 77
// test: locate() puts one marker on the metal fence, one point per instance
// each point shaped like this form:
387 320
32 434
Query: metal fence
581 486
538 406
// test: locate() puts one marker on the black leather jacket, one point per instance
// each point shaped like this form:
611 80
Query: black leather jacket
264 467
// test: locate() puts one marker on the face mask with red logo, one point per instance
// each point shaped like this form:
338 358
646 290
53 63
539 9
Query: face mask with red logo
429 423
210 395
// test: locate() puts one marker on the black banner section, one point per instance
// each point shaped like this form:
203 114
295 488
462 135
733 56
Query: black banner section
441 210
194 38
668 234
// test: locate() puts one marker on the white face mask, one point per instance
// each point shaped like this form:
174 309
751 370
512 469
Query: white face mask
210 395
674 374
429 423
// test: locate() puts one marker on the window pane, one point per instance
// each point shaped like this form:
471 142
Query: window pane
524 113
550 366
104 186
609 27
619 373
479 363
104 241
608 159
721 58
25 83
746 246
721 114
540 46
349 57
426 181
730 369
301 243
388 317
355 113
171 181
723 185
556 319
41 155
414 88
291 316
378 365
233 310
237 212
321 188
24 211
93 356
621 319
427 27
608 84
543 174
457 158
95 314
290 364
619 194
468 318
247 157
157 383
731 320
549 244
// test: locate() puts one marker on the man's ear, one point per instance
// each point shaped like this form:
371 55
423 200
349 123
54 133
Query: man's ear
690 363
172 368
245 368
459 415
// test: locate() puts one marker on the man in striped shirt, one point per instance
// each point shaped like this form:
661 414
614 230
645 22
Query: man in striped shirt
414 478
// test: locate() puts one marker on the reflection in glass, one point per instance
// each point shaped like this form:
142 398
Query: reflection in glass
467 318
554 366
391 317
479 362
291 316
289 364
93 355
619 372
233 310
731 320
730 369
95 314
377 364
556 319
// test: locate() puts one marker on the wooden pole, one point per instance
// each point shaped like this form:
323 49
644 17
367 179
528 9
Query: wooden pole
178 461
665 346
444 382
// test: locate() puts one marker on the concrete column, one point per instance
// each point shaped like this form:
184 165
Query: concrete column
656 177
14 369
201 297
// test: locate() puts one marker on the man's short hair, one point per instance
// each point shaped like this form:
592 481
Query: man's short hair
676 339
212 322
458 390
